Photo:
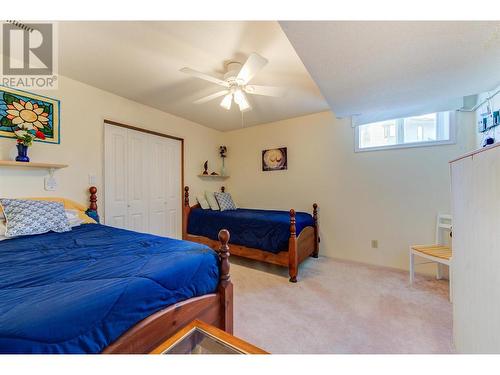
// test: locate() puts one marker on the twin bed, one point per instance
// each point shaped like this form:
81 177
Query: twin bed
98 289
277 237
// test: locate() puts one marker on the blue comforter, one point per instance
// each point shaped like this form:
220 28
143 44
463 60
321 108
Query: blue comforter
77 292
261 229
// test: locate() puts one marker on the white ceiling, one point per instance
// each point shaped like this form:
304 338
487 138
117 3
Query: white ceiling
141 61
389 69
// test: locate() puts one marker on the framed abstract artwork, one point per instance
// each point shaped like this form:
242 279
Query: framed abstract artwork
274 159
22 112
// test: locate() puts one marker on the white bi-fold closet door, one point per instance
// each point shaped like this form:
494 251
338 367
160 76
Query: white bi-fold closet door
142 181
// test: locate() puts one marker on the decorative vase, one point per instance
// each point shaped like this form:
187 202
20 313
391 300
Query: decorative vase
22 153
223 169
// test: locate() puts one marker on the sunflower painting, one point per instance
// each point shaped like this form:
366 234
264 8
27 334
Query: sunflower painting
22 112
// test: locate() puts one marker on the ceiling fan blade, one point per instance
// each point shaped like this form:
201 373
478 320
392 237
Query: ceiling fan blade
254 63
204 76
211 97
265 90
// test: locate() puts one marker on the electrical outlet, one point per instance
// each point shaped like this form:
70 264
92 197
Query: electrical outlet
50 183
92 179
374 244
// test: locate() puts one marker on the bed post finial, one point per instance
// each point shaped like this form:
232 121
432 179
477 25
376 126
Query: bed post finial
92 210
185 213
224 255
316 231
93 198
186 196
223 189
293 229
225 284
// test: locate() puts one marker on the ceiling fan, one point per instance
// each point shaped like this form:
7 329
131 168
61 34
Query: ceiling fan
236 82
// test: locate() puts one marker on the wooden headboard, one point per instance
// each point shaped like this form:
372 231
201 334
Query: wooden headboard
186 209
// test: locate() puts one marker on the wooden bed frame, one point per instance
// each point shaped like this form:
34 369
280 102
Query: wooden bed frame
215 309
299 247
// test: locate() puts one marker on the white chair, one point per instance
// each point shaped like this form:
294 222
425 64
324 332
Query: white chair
440 252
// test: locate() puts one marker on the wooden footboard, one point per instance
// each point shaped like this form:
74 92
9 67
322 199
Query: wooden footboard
299 247
215 309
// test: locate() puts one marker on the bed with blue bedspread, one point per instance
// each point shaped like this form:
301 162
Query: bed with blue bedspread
79 291
268 230
284 238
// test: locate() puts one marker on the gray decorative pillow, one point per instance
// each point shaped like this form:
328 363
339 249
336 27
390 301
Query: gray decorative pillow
225 201
27 217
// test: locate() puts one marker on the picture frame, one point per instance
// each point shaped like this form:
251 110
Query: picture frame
21 110
275 159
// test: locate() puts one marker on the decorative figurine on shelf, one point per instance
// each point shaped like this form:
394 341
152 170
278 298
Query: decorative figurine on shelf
223 155
24 140
205 167
214 174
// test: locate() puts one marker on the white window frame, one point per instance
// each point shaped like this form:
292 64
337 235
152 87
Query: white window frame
399 134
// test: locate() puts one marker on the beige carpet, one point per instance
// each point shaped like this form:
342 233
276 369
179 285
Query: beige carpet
340 307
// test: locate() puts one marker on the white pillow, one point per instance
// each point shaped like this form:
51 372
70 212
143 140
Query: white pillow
212 202
73 217
203 202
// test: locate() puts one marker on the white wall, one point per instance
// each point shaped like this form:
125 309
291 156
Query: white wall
83 110
392 196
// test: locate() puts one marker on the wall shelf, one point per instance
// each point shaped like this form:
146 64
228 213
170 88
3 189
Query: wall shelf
211 176
11 163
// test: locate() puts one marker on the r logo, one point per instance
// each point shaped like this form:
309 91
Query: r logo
28 49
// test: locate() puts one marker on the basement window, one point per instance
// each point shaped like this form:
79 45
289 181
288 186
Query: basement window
424 130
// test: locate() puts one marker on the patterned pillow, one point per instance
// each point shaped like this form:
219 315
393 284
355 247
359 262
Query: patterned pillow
225 201
27 217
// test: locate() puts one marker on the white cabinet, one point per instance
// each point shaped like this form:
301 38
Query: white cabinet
142 178
476 252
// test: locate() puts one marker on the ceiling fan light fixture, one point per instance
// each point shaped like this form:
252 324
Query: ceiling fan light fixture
239 96
244 106
226 102
241 99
